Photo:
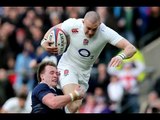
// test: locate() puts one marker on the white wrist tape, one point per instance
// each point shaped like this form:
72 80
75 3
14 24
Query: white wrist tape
71 95
77 93
122 55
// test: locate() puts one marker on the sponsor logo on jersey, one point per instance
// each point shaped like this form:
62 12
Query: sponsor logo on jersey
74 30
85 42
84 52
66 72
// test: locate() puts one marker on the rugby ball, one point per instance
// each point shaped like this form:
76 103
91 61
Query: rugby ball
59 40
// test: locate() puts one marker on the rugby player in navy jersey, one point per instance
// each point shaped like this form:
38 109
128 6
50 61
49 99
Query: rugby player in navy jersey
46 97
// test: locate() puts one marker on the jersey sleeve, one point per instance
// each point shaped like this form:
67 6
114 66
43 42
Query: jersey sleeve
42 91
110 35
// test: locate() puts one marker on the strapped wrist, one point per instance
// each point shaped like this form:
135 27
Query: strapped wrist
71 95
122 55
77 93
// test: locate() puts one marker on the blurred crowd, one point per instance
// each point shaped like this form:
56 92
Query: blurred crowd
110 91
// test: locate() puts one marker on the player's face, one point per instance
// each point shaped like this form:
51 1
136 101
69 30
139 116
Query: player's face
51 76
90 28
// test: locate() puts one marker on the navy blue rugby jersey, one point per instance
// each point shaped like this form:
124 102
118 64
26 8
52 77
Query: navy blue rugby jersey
38 93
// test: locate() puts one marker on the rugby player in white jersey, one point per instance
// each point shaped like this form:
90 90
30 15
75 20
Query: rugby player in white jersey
87 38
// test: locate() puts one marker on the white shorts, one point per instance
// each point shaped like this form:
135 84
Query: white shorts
70 74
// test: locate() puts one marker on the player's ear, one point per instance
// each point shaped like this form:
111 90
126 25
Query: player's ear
83 21
41 76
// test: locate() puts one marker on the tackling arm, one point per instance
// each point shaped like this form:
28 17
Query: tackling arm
55 102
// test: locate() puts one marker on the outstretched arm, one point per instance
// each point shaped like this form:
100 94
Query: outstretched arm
128 51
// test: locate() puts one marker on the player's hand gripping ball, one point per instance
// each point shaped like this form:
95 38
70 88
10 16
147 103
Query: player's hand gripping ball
59 40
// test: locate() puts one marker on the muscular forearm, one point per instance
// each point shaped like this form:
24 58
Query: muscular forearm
55 102
60 101
129 51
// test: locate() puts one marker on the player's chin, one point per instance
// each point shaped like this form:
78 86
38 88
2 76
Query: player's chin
55 53
90 36
54 83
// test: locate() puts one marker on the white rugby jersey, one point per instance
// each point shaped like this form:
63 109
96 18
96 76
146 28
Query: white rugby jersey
82 51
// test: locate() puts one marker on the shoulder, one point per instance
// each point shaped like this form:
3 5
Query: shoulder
13 99
73 19
40 91
10 102
72 22
104 28
39 87
103 31
107 31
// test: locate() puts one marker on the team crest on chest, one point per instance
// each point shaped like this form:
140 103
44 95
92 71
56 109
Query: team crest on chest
85 42
66 72
75 30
